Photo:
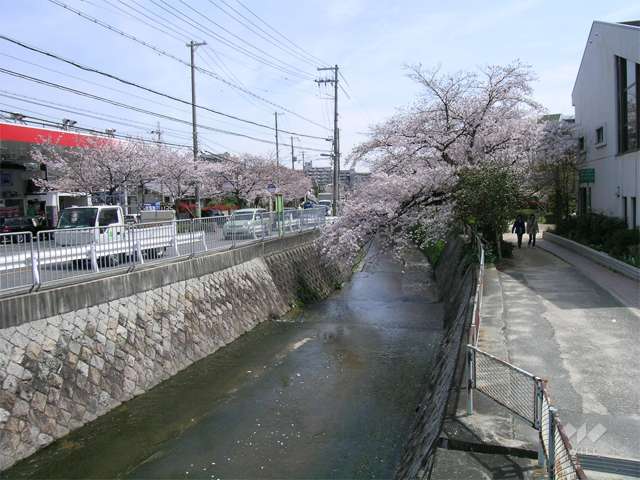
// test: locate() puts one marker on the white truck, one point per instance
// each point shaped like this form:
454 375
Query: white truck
103 235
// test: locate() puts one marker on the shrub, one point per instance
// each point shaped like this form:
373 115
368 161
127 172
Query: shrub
601 232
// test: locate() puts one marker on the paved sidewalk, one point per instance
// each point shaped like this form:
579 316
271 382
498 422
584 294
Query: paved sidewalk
623 288
562 325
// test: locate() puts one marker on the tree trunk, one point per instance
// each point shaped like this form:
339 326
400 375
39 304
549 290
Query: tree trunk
558 194
498 244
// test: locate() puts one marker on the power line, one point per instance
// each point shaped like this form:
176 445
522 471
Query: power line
83 112
229 32
134 108
266 36
147 89
129 94
54 123
173 57
319 60
287 69
130 15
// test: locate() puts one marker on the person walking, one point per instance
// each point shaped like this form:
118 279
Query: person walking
519 228
532 230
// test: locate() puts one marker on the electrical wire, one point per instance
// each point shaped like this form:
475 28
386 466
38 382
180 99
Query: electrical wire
229 32
55 123
173 57
150 90
265 35
320 61
134 108
207 31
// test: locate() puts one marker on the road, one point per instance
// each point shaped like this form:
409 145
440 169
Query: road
328 392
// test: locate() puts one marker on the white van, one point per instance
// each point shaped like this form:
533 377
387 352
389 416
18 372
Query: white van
84 225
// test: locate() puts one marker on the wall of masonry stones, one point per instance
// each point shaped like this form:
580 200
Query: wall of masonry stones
60 372
456 278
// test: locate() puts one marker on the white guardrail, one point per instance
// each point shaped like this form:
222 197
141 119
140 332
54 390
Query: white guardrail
28 260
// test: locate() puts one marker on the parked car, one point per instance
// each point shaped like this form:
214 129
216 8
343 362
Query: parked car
326 204
211 212
18 225
247 222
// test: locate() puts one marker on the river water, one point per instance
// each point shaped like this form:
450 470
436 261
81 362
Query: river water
328 391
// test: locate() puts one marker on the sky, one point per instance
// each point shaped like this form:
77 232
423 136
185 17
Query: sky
261 57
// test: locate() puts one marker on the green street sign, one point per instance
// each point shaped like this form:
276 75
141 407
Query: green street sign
587 175
279 203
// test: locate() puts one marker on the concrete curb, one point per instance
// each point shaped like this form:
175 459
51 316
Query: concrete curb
598 257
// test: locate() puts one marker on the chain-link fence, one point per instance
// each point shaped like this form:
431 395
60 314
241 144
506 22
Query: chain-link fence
524 395
510 386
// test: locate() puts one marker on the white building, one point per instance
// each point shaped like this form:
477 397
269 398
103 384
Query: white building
605 97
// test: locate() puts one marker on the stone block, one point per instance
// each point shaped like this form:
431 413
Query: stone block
39 401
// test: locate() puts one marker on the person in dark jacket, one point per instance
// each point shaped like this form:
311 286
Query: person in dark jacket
519 229
532 230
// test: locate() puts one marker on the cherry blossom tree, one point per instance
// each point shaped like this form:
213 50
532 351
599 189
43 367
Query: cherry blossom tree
555 165
460 120
174 170
100 165
245 178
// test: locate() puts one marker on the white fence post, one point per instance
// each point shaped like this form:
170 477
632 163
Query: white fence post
138 249
35 271
93 257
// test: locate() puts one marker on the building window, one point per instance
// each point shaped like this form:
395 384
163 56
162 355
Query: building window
584 200
628 91
581 144
625 212
599 136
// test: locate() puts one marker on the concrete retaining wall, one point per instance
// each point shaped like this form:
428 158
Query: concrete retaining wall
70 354
456 278
598 257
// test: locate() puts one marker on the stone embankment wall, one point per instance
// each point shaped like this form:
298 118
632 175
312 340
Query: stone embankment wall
71 354
456 279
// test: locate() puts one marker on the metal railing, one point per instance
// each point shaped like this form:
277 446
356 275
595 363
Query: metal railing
524 395
474 329
520 392
53 255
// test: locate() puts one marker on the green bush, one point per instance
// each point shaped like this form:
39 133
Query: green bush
604 233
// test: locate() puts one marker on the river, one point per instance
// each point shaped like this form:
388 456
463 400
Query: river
329 391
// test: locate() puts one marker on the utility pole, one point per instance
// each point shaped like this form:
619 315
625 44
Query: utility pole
275 114
293 158
336 134
192 47
158 133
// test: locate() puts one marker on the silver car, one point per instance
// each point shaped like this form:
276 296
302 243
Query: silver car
248 222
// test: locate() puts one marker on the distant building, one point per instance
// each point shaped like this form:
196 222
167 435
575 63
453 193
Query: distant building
607 114
322 177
